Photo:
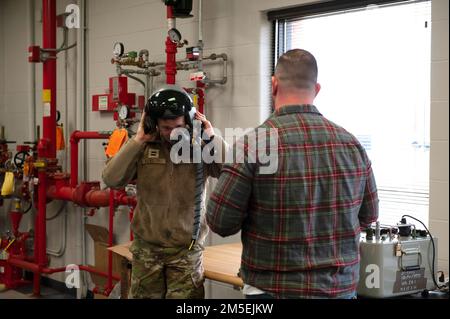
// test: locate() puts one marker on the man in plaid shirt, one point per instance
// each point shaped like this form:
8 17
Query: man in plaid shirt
301 224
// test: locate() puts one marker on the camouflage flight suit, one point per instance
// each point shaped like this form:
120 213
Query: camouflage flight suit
166 273
163 219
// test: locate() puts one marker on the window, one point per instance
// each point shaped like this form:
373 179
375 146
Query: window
374 68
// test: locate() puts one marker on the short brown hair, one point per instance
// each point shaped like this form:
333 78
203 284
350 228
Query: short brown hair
297 69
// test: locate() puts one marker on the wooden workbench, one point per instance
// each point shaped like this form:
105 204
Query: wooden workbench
221 263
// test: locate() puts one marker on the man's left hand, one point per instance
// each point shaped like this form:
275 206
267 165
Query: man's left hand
207 126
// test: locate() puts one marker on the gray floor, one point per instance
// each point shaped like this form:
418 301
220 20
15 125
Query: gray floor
26 292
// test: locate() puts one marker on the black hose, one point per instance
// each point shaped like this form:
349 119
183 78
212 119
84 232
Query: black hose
199 185
29 207
434 251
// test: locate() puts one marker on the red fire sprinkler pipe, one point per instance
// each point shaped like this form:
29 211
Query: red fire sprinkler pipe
49 76
47 145
171 51
130 215
201 96
40 253
14 261
74 140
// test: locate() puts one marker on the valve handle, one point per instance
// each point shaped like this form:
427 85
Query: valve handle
19 159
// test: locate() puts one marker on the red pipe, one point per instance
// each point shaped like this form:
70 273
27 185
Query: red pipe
33 267
49 75
170 12
201 96
171 51
40 239
131 214
93 198
74 140
97 272
47 145
98 198
41 225
121 198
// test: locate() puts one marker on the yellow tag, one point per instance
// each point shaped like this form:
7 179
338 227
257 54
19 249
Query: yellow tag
40 164
8 184
195 100
46 95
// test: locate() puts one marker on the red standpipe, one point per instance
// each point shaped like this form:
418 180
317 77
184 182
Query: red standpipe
49 75
201 96
130 215
171 51
85 194
47 145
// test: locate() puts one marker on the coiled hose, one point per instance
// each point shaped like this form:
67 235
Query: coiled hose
199 185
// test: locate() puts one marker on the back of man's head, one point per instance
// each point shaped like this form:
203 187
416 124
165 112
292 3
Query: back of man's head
297 70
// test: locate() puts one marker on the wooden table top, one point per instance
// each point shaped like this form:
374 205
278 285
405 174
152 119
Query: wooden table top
222 263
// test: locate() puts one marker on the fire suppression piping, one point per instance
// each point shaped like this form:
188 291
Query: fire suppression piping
55 185
171 50
201 96
49 76
14 261
74 140
52 184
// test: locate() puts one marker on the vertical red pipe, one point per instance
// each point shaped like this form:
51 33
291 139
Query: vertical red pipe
47 146
201 96
42 203
131 214
73 161
171 51
110 240
40 243
75 138
49 76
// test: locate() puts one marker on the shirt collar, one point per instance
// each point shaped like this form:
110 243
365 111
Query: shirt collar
299 108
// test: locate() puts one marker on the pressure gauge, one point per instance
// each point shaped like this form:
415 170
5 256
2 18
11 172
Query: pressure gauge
118 49
174 35
123 112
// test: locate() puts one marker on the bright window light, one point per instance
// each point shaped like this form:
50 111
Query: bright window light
374 68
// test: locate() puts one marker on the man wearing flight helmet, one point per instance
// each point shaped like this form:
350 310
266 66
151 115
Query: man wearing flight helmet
166 261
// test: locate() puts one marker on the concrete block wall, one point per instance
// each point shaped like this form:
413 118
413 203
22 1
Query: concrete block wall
439 162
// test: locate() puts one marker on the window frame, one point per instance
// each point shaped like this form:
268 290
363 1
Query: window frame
280 20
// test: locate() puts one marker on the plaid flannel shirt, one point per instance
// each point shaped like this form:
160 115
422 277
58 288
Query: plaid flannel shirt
300 225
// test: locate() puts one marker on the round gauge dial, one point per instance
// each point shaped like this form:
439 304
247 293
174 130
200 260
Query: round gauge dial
118 49
123 112
174 35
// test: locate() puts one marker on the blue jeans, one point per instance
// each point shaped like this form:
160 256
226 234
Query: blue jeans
260 296
268 296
